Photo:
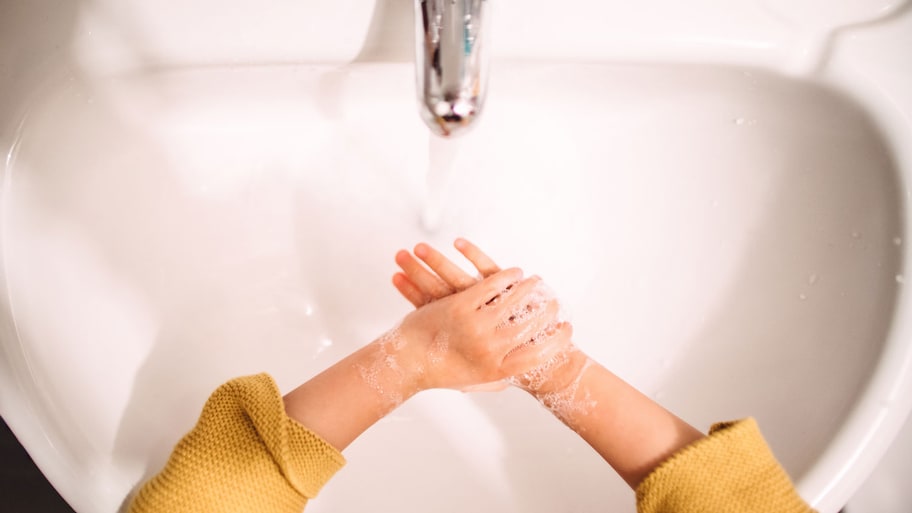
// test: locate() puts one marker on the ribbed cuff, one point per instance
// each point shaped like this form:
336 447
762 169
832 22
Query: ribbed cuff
732 470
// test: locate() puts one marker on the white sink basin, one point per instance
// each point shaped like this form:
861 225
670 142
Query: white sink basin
728 238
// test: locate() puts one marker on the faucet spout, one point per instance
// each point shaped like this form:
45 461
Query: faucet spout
451 63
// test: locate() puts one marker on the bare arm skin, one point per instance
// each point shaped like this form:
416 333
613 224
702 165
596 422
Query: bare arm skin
465 339
633 433
629 430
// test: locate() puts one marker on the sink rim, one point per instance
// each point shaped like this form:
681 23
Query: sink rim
883 401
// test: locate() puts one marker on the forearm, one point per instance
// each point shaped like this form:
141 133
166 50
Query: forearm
346 399
471 337
629 430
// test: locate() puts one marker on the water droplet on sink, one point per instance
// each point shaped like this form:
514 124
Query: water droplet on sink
740 121
900 279
309 310
856 235
812 279
802 296
324 345
897 241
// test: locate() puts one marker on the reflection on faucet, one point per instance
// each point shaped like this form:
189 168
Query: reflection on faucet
451 65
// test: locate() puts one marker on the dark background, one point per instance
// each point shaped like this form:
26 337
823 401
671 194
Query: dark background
23 489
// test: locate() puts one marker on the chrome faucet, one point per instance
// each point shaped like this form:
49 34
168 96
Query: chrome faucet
451 62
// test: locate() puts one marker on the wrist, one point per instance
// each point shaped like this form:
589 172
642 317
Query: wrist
391 368
421 352
554 376
564 391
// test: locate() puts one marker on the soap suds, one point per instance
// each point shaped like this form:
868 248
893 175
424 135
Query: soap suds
565 405
563 402
385 365
535 305
534 378
439 347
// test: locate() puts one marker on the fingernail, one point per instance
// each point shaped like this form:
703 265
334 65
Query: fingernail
421 250
459 243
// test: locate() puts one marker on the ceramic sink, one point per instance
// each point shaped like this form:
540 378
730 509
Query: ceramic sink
199 191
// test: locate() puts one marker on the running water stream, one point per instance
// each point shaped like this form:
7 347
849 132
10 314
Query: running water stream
442 154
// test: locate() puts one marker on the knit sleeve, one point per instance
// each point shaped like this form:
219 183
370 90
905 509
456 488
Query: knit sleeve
732 470
244 454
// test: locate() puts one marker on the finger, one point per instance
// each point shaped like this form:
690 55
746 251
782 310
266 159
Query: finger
524 294
409 291
527 323
425 281
547 348
489 290
455 277
485 265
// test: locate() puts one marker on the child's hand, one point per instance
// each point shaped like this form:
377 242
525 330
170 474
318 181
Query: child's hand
420 287
497 328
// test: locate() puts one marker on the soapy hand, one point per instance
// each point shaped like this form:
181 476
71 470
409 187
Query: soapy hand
499 327
421 287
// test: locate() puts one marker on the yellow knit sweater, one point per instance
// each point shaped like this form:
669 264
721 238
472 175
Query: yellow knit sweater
246 455
730 471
